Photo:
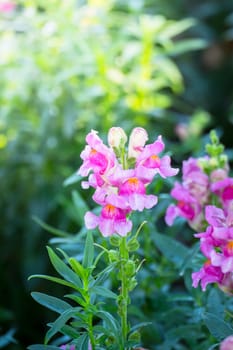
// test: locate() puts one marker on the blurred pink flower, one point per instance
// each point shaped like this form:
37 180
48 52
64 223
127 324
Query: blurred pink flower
7 6
227 344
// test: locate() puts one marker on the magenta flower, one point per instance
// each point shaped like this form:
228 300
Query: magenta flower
149 164
207 274
133 191
224 189
111 220
7 6
96 156
67 347
227 344
187 207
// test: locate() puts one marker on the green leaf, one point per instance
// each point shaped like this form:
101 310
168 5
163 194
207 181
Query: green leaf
88 251
217 326
80 206
51 302
102 276
189 257
56 280
104 292
7 338
74 178
60 322
173 250
42 347
77 299
82 342
63 269
110 321
175 28
51 229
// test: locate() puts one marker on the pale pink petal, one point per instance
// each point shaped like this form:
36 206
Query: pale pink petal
91 220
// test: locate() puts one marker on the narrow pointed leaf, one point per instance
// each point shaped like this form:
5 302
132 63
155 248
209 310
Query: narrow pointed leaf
63 269
217 326
54 279
88 251
42 347
104 292
51 302
82 342
60 322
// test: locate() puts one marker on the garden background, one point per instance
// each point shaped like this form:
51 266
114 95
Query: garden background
67 67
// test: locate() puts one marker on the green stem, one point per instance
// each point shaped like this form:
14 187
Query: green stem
90 332
124 296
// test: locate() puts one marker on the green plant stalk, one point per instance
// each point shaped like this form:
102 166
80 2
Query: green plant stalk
90 316
124 295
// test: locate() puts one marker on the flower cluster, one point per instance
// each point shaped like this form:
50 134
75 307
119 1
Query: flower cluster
205 200
120 177
227 343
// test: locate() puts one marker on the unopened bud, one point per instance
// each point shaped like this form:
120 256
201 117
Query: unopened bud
116 137
137 140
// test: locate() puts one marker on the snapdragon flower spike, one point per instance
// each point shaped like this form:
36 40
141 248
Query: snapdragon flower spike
148 163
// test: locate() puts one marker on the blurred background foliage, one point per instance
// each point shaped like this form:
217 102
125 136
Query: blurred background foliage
72 66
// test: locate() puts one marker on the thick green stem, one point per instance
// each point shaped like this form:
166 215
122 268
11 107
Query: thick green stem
124 296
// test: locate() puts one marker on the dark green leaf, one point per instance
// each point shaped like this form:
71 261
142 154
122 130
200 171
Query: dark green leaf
82 342
80 205
60 322
51 229
51 302
104 292
217 326
55 279
42 347
63 269
88 251
173 250
7 338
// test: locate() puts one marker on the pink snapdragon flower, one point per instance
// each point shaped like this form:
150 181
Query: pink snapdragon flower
187 206
97 158
191 195
216 244
224 189
207 274
111 220
227 343
148 162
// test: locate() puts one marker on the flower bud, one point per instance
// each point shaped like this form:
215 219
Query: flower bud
137 140
116 137
113 255
130 268
115 241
